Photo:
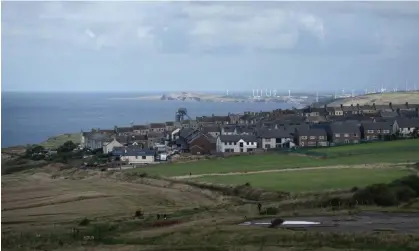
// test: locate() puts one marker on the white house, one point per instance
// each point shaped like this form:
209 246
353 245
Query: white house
276 138
109 146
236 143
134 155
405 127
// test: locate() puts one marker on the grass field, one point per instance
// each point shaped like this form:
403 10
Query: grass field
56 141
369 153
42 207
312 180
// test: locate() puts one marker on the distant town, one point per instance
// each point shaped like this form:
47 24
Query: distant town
253 132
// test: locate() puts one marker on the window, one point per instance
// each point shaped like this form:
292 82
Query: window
346 135
136 157
143 157
312 137
302 143
378 131
267 146
337 135
346 141
303 137
370 131
268 140
386 131
321 137
355 141
355 135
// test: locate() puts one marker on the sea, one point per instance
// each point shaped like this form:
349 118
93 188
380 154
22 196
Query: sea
30 118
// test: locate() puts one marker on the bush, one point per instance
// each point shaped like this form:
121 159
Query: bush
270 211
403 193
84 222
139 214
411 181
378 194
143 175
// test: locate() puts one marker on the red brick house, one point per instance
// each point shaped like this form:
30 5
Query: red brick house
202 144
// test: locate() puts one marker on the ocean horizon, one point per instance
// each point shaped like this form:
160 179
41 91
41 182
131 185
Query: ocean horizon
33 117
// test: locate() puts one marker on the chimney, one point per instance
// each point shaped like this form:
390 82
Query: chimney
407 105
373 105
341 106
391 105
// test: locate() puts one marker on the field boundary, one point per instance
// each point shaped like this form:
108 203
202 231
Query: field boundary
368 166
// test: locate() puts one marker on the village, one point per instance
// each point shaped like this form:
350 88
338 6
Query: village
253 132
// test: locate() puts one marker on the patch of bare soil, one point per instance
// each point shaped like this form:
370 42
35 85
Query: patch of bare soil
383 165
38 198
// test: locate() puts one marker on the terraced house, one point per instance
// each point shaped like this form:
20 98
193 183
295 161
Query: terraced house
236 143
276 138
311 137
344 133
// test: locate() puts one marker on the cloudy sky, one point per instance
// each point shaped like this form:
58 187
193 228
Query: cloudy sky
156 46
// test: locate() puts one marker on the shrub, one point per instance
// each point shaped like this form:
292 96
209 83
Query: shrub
354 189
139 214
411 181
379 194
143 175
84 222
403 192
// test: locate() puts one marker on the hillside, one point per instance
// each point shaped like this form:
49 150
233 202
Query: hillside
379 99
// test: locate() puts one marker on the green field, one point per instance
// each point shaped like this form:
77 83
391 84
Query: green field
311 180
56 141
368 153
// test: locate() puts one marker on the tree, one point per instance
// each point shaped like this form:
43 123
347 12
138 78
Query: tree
67 147
415 133
35 149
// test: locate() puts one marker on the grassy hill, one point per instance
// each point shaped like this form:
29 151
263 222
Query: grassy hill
379 99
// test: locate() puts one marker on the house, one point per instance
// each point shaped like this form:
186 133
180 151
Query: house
236 143
344 133
155 137
157 127
275 138
140 129
110 145
134 155
369 110
315 119
202 143
334 111
170 126
234 118
349 110
229 130
405 127
214 131
137 140
310 137
189 124
313 111
123 130
184 135
95 140
376 130
218 120
388 114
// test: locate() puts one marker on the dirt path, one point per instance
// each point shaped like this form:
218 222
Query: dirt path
382 165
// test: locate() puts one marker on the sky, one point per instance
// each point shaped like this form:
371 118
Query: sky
208 46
